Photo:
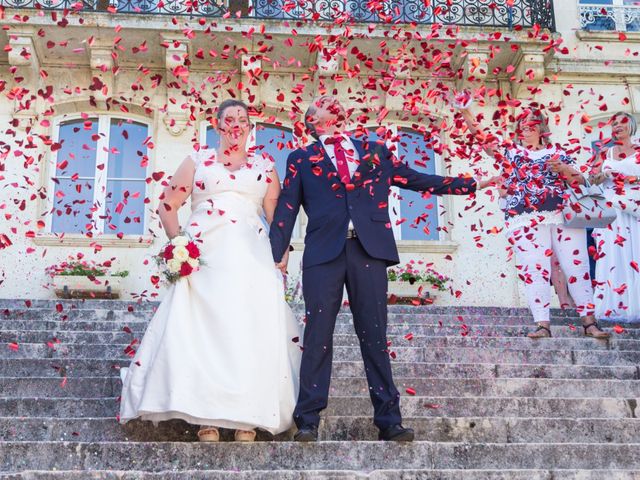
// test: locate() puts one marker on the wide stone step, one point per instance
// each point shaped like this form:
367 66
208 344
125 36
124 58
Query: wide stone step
466 429
9 306
126 318
422 474
68 367
350 406
97 387
358 456
577 342
112 330
344 353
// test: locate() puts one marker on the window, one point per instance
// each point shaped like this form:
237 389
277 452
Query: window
620 15
418 212
99 184
413 216
274 140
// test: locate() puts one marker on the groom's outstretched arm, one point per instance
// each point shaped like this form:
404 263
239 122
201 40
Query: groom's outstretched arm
406 177
284 218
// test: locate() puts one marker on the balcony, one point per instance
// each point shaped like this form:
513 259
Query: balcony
618 15
511 14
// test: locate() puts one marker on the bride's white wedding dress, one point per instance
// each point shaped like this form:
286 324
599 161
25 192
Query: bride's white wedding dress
220 349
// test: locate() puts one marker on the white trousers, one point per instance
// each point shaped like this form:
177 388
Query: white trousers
533 247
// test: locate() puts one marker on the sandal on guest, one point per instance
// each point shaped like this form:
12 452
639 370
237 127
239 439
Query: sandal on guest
540 332
208 434
599 333
245 435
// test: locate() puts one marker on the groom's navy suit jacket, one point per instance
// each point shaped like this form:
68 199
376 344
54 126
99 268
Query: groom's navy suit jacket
312 182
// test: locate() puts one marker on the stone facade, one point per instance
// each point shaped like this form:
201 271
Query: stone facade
169 76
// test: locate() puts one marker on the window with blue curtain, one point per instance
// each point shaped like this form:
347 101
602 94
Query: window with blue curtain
126 174
100 190
74 178
276 141
419 211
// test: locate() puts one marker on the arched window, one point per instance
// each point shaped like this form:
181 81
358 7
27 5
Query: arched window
414 216
99 176
274 140
418 212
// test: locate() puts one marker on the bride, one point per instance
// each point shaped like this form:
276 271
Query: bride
220 351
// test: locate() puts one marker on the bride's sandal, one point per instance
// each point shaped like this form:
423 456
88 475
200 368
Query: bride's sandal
540 332
245 435
595 332
208 434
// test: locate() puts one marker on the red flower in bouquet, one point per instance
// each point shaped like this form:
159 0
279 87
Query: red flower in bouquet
185 269
179 258
167 254
192 248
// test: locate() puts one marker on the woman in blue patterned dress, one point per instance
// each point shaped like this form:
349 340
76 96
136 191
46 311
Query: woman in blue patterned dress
535 175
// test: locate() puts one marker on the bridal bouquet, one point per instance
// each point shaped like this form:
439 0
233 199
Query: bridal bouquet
179 258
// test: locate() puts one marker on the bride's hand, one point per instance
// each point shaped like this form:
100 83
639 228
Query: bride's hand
282 265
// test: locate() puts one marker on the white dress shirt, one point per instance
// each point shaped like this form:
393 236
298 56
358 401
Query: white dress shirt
350 152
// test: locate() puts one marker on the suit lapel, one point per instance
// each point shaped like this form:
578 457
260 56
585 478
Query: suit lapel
326 161
364 156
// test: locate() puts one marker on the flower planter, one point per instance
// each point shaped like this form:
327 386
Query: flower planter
405 292
75 286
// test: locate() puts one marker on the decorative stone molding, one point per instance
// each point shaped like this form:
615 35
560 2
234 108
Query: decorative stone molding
530 70
251 69
327 66
177 73
25 68
102 65
475 68
107 241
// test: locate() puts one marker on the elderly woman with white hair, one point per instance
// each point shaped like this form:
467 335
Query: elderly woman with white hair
617 295
535 175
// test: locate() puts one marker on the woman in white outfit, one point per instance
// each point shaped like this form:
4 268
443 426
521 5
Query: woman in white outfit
617 293
220 351
535 174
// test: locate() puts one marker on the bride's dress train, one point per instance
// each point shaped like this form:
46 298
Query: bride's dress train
220 349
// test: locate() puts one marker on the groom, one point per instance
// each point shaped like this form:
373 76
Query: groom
343 185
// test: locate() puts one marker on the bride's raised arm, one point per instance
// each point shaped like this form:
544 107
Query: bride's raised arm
174 196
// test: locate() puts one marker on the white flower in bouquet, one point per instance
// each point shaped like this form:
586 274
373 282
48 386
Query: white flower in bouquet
174 265
181 254
180 241
194 262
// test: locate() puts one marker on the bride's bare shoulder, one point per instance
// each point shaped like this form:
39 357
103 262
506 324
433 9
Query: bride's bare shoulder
201 156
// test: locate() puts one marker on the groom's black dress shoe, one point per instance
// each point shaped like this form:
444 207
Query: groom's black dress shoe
306 434
396 433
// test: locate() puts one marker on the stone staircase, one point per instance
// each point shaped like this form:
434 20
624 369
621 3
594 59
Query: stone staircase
489 404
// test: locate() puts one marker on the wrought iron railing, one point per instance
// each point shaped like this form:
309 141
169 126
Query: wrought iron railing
624 18
478 13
